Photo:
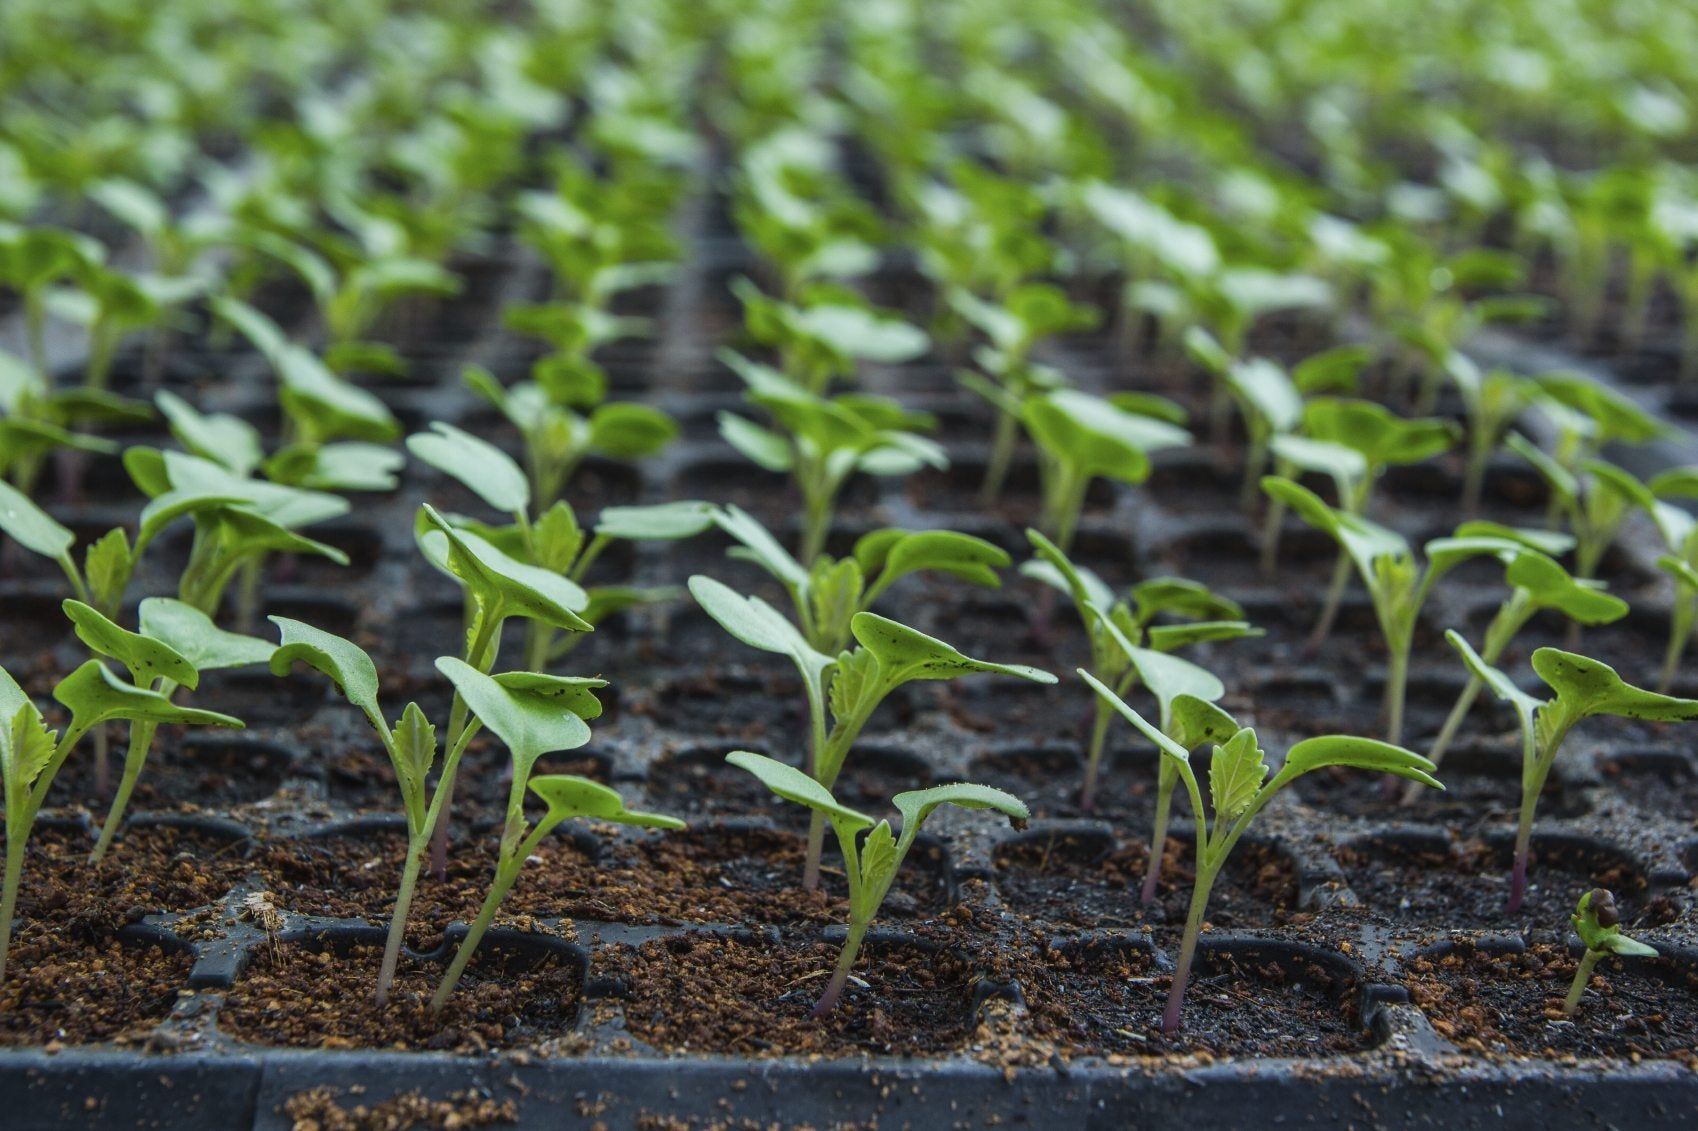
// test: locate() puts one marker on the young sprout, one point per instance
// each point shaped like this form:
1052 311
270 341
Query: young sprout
1268 400
820 442
852 684
533 715
1593 501
1397 585
177 642
1536 583
1583 688
1682 617
497 587
558 436
828 595
33 259
553 540
1081 438
1239 788
36 419
827 336
31 755
238 521
870 864
1126 641
1014 326
1352 442
1491 402
1598 924
234 444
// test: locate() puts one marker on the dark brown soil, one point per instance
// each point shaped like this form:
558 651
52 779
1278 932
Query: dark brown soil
310 998
68 985
1424 880
1085 881
1476 792
1048 779
152 869
1107 999
1510 1003
708 994
188 773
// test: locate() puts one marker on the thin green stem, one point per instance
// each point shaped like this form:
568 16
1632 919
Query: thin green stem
1188 947
840 976
1582 976
1166 780
1094 754
135 758
15 841
1001 456
416 846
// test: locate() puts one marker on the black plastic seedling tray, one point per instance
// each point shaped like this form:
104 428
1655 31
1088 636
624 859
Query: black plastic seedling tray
1337 901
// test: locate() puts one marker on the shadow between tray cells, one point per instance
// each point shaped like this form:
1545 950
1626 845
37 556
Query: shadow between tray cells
1247 998
1091 878
1428 879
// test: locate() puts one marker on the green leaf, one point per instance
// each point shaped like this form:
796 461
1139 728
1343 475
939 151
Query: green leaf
905 655
1380 435
1055 569
793 785
568 796
761 446
1236 773
1193 721
1165 745
107 567
630 431
1361 754
574 693
891 554
1169 677
26 747
660 522
916 805
225 439
531 721
760 547
879 861
485 469
1552 542
1589 687
30 526
193 636
758 625
518 589
147 658
94 695
1552 587
1098 439
343 661
556 540
1171 637
415 750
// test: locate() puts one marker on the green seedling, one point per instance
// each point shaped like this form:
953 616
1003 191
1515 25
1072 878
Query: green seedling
821 442
31 756
1351 442
1012 328
1537 583
533 715
1268 401
1126 641
828 595
1239 788
1598 923
36 420
238 522
870 864
234 444
34 259
1583 688
177 643
1398 585
557 436
553 540
1593 501
497 587
1081 438
827 337
851 684
1491 402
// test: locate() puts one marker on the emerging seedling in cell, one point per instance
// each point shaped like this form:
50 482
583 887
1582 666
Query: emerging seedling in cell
1128 646
842 691
533 715
1239 788
1583 688
31 756
1598 924
870 864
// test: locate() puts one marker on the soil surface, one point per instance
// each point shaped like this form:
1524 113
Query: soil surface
75 985
1511 1003
295 995
710 994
